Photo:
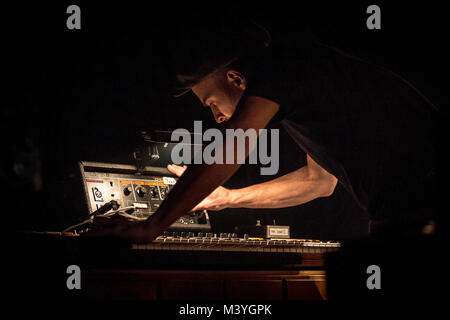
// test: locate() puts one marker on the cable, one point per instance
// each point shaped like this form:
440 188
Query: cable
89 220
126 215
108 214
111 213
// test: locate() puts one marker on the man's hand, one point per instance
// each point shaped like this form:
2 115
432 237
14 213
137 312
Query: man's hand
120 227
217 200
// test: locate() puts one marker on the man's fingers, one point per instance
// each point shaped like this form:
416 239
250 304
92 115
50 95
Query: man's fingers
178 170
201 206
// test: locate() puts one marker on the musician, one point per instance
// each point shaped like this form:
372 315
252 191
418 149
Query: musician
360 125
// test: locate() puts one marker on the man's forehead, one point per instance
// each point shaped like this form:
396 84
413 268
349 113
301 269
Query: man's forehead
202 91
206 85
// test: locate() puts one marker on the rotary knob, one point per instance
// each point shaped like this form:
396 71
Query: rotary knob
127 191
141 191
153 192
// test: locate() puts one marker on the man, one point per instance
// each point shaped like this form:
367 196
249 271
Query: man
360 125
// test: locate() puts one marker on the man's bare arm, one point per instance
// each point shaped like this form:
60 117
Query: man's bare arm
198 181
295 188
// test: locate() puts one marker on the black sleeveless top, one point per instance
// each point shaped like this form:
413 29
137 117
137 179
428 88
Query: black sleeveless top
364 124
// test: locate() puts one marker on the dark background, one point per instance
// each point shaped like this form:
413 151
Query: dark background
86 94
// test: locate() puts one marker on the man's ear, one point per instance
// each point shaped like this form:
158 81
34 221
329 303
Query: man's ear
237 79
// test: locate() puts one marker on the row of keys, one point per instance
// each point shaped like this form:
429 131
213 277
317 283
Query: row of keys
232 239
183 234
239 244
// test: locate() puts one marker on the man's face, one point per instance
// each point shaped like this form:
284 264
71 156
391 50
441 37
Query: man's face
221 92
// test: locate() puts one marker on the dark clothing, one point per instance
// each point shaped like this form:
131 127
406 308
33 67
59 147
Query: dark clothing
332 218
362 123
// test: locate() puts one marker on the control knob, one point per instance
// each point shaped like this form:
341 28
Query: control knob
154 192
141 191
127 191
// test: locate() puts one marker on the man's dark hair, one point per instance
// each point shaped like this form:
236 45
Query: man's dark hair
205 49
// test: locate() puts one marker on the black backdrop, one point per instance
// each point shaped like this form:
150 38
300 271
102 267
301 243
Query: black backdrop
85 94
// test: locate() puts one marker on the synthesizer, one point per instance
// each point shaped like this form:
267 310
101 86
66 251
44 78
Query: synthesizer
187 250
231 242
189 242
140 190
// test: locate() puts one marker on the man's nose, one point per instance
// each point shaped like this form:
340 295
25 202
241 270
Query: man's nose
218 116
